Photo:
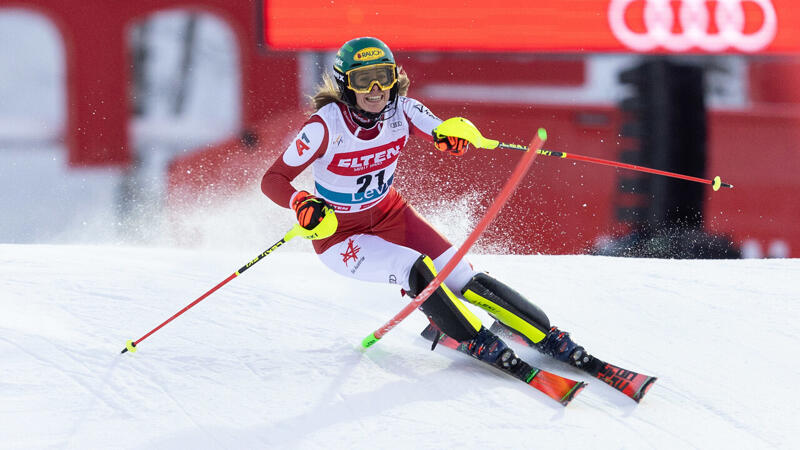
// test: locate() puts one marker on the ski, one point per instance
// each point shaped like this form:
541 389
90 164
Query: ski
560 389
632 384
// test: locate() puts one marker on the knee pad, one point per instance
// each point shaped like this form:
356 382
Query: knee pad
442 307
508 306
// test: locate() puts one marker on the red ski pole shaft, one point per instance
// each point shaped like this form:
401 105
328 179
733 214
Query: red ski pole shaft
131 345
521 169
716 183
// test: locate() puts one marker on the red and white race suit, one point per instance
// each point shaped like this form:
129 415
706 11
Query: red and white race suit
380 235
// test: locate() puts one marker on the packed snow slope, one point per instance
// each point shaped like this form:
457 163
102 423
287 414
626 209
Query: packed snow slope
272 359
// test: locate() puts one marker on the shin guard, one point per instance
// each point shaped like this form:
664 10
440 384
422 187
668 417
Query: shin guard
443 308
507 306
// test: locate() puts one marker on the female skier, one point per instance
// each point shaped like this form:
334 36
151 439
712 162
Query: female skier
364 229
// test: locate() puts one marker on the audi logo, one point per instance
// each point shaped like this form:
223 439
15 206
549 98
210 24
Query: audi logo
694 19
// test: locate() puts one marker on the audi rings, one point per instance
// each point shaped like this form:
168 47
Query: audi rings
694 20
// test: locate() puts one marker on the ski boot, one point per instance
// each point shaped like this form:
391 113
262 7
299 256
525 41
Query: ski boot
487 347
558 344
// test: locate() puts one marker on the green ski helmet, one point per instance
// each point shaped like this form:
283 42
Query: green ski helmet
360 64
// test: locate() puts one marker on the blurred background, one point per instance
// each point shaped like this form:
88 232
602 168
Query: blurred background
152 122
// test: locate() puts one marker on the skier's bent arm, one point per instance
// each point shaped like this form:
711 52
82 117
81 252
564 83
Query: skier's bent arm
310 143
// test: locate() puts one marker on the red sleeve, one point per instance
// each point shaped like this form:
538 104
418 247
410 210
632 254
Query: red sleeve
276 184
309 144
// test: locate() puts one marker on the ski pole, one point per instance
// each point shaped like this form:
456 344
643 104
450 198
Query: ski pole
716 183
522 168
463 128
297 230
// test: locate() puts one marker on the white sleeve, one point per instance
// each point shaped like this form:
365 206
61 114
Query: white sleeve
421 120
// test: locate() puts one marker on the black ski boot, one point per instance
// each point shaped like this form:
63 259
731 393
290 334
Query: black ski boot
558 345
489 348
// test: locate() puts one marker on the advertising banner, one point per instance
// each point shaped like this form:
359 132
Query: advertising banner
642 26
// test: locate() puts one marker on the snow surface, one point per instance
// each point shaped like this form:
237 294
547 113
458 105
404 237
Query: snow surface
272 359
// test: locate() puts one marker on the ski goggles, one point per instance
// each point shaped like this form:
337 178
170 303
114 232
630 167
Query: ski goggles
361 79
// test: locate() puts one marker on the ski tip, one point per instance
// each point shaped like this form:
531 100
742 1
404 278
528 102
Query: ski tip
579 386
643 390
